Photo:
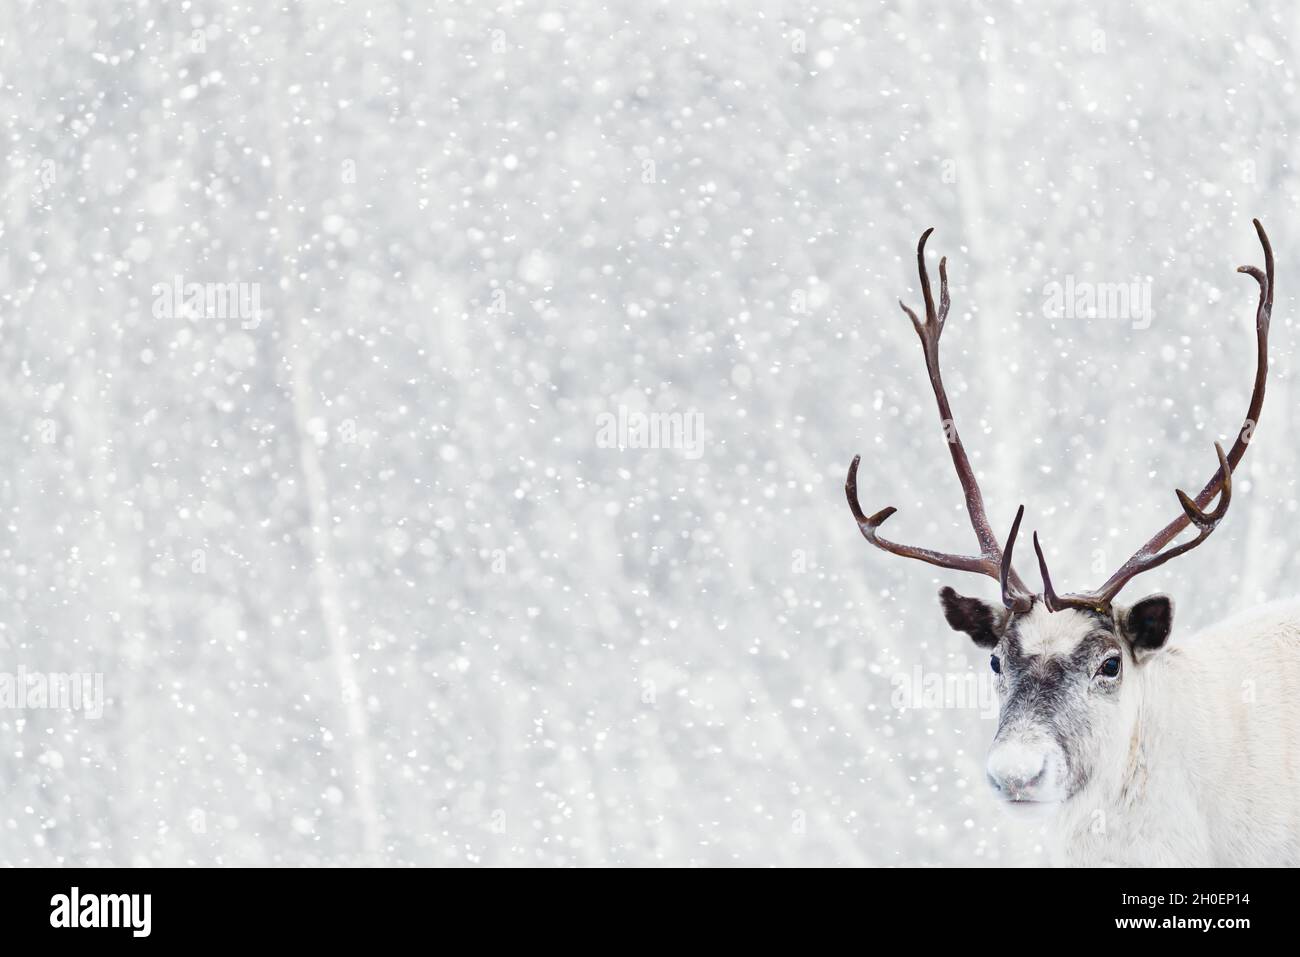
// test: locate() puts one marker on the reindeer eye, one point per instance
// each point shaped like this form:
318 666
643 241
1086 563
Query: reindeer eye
1110 667
995 664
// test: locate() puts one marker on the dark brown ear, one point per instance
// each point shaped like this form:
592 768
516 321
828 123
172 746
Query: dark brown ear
979 619
1147 624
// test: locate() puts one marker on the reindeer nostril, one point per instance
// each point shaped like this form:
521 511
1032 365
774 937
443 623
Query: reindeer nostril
1017 773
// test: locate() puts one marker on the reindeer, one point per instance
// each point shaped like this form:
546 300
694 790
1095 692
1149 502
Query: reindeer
1135 750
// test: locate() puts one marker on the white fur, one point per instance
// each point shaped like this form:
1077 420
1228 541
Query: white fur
1200 765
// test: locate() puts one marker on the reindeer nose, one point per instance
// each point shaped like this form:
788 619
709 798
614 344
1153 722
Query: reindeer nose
1017 770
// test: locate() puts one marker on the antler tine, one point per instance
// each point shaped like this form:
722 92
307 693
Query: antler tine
1198 517
851 490
1053 601
1013 600
1154 554
868 524
917 324
990 561
1049 595
930 316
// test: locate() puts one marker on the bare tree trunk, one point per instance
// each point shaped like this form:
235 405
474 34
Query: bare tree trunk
326 579
324 571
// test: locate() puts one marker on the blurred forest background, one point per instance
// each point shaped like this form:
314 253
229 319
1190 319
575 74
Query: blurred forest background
363 585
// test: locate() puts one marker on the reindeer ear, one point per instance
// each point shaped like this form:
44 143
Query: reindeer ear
1147 624
979 619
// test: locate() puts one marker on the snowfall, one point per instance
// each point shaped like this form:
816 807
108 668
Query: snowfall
425 425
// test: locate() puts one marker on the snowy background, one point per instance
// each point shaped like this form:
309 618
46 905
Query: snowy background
361 582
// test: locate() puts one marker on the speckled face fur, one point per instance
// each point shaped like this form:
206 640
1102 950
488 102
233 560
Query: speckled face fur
1060 678
1068 684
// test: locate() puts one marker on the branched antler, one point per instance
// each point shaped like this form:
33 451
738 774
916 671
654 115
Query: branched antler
991 561
1152 554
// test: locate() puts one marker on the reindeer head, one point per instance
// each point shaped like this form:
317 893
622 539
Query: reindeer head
1069 684
1068 667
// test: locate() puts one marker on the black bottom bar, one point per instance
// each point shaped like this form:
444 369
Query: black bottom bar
336 907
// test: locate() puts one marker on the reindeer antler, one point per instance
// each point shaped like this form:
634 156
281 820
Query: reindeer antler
990 560
1151 555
